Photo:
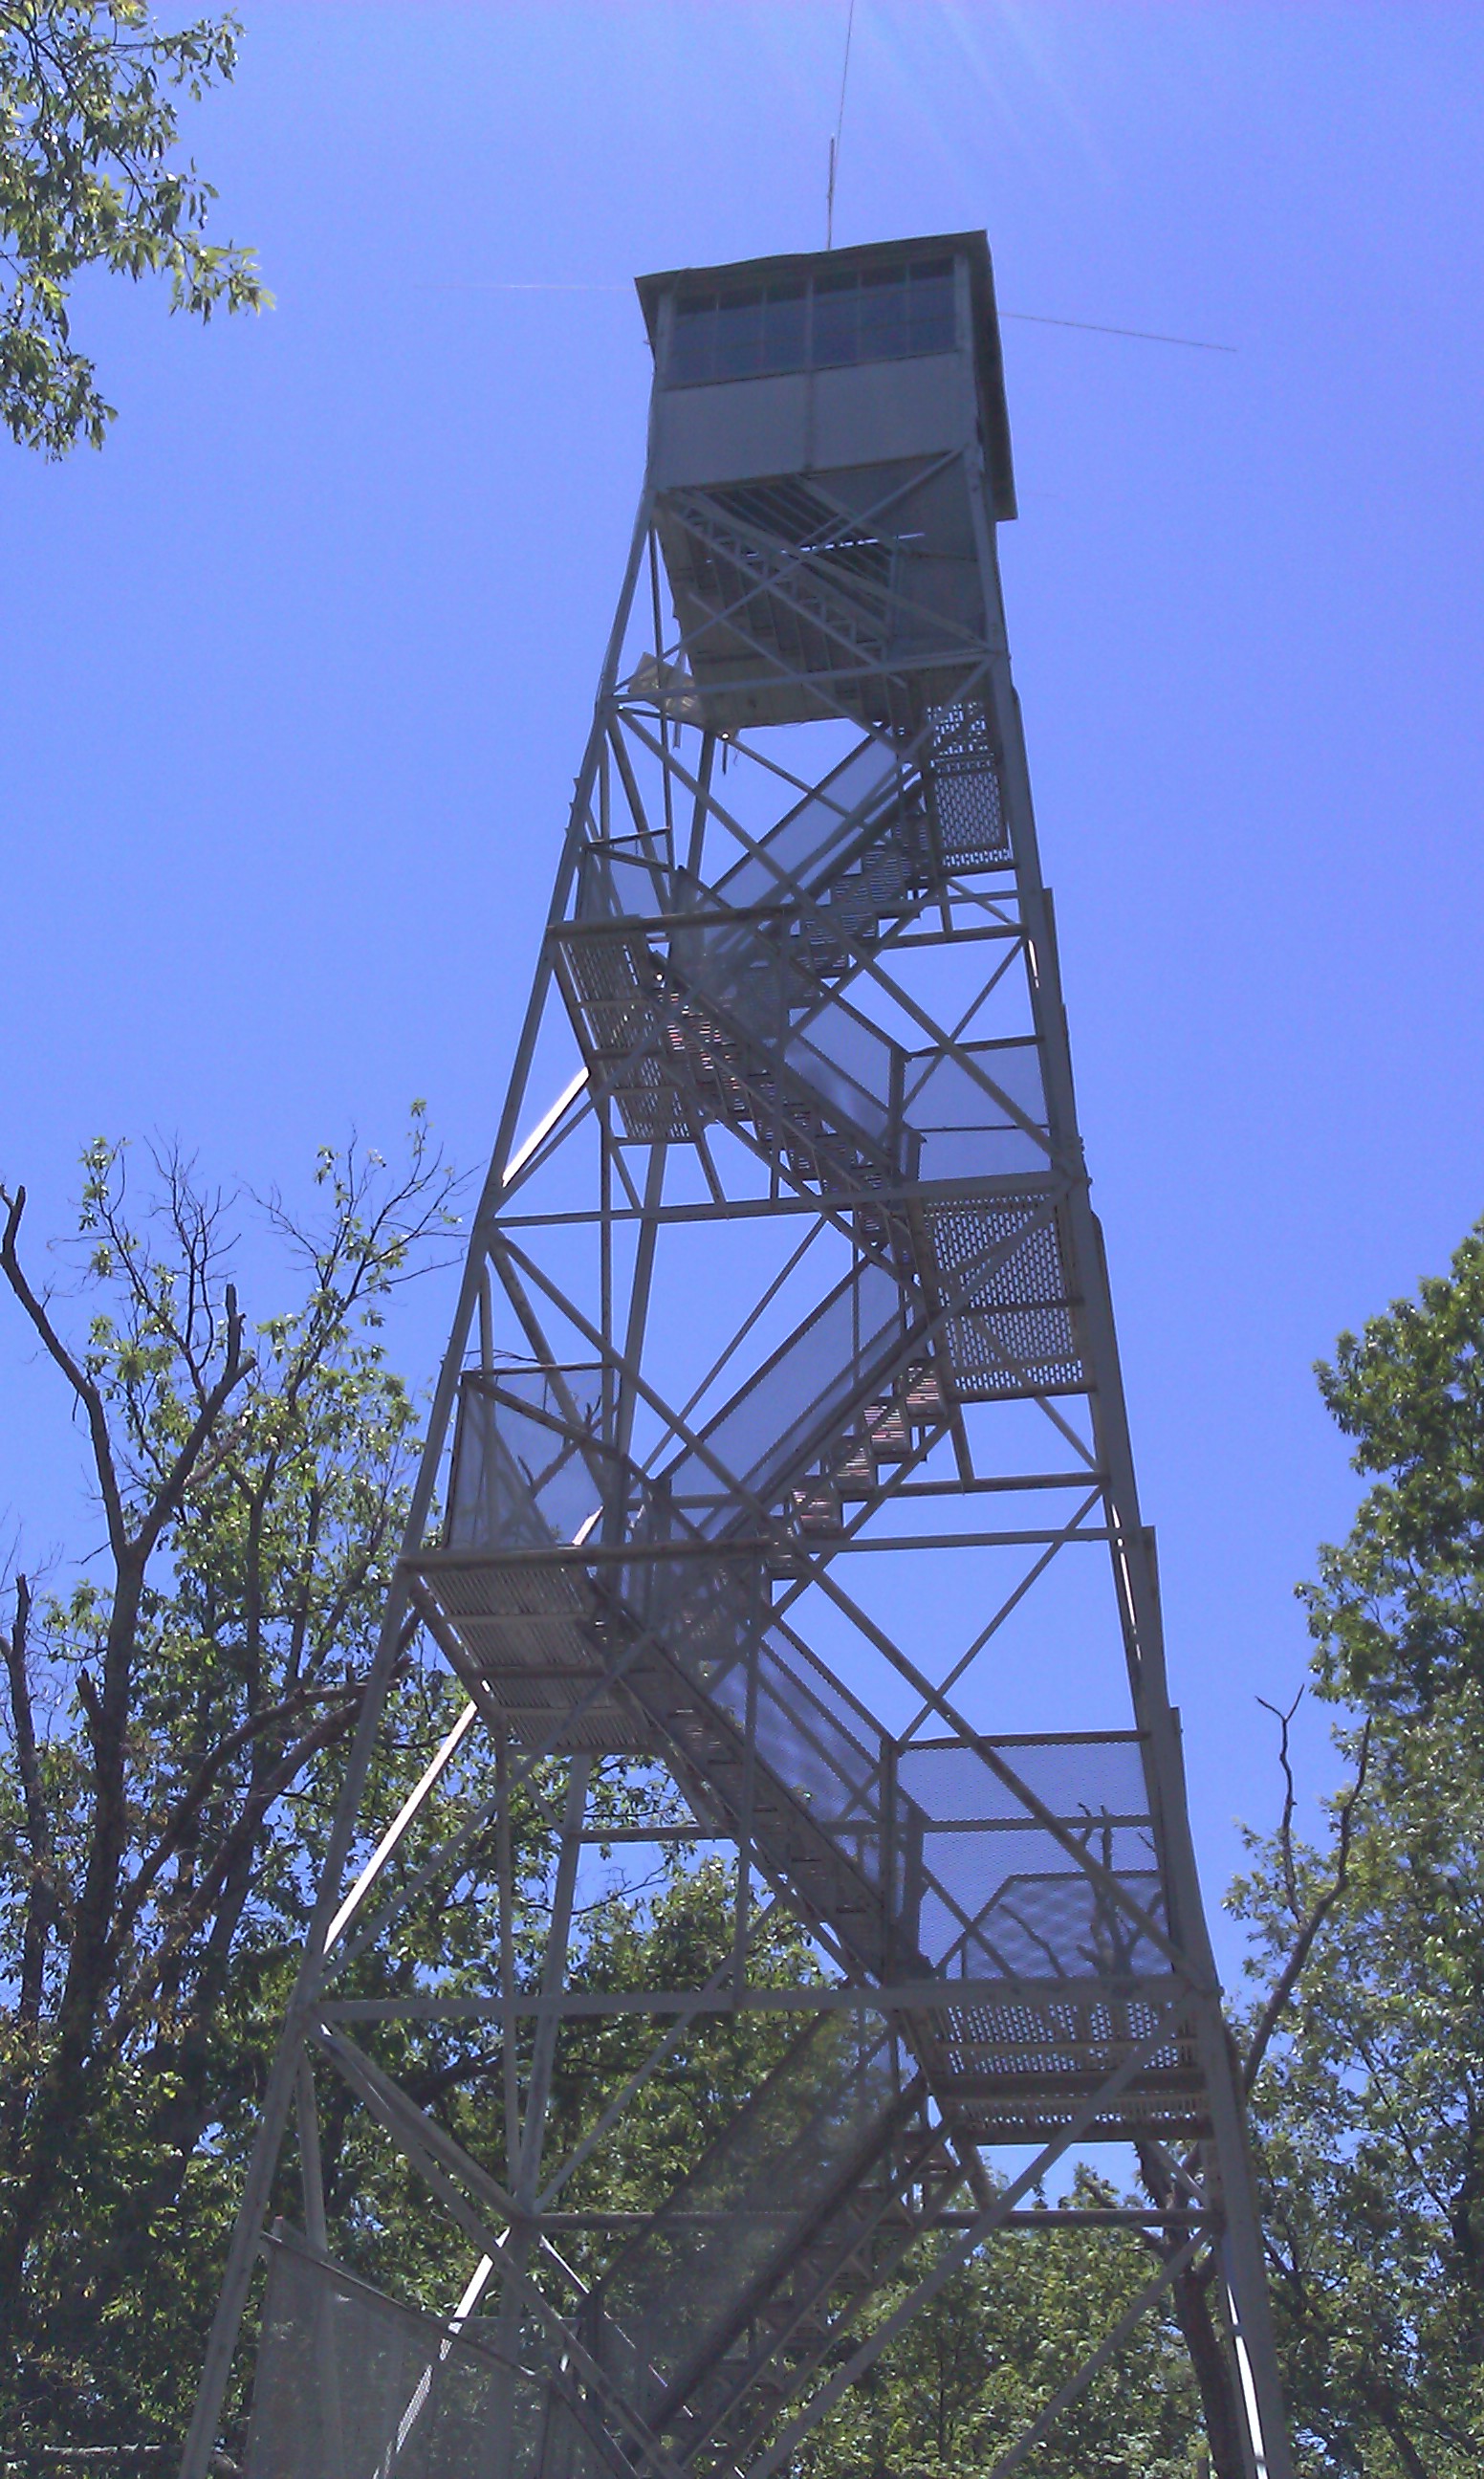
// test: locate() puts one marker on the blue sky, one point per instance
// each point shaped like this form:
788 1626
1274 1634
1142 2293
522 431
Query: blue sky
296 671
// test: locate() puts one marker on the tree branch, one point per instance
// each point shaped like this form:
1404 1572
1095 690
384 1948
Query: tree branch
331 1726
82 1386
1290 1798
187 1807
41 1892
1319 1912
234 1368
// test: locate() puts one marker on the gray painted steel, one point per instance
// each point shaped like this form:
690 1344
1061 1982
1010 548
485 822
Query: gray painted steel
799 1264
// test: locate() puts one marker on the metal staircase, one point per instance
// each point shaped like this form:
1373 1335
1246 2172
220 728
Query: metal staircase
698 1006
806 2185
699 1670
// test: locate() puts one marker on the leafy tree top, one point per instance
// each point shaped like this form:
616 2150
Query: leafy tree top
1397 1609
90 177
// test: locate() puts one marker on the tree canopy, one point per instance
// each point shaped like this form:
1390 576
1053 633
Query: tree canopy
1370 2112
89 177
174 1711
1397 1610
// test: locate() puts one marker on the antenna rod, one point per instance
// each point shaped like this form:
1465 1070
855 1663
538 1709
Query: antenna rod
839 124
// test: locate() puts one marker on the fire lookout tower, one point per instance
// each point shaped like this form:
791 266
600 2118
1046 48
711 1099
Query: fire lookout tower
779 1460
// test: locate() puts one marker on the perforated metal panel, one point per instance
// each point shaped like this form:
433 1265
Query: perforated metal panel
1012 1330
348 2382
964 771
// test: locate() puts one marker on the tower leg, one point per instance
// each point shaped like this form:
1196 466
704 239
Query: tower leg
517 2244
283 2080
1264 2420
211 2393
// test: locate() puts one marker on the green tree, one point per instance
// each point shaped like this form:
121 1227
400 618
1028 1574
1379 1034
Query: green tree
1397 1611
174 1718
89 177
978 2365
1369 2112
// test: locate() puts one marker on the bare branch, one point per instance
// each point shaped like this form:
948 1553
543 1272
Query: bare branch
82 1386
235 1846
41 1895
1319 1912
1290 1798
236 1365
185 1810
332 1724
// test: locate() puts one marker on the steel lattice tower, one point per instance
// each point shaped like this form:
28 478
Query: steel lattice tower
781 1451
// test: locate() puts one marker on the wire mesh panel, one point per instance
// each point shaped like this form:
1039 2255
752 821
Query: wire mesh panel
351 2384
677 2292
526 1635
728 963
858 803
1010 2069
529 1478
529 1469
992 1892
664 1064
855 848
627 877
725 1025
817 1741
793 1405
816 1753
852 1074
999 1269
1001 1891
978 1111
736 1017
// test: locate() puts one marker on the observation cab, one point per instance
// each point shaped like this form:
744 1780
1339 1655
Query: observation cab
832 404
